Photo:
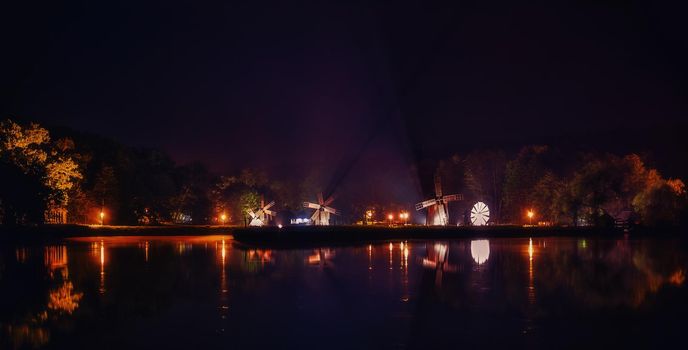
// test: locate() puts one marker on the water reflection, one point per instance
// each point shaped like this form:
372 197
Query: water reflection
224 289
101 250
321 257
31 327
438 259
480 251
422 292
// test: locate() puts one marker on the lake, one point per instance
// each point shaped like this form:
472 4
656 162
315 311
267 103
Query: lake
210 292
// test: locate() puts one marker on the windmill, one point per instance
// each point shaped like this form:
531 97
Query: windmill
321 216
262 215
480 214
437 214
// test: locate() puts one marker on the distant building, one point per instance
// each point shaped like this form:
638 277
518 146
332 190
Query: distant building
55 214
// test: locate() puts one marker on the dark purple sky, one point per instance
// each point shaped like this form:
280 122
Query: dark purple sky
375 85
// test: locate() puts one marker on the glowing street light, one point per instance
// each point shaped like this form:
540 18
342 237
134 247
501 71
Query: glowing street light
223 218
102 216
404 216
391 218
530 217
369 216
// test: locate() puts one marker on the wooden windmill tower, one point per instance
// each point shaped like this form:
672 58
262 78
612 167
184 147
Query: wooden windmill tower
261 216
437 207
321 216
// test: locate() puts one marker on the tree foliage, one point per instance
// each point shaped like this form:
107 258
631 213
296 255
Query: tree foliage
35 171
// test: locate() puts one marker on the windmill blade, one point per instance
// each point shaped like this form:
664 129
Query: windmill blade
429 263
269 205
424 204
438 186
270 212
330 210
311 205
251 213
315 216
330 200
452 197
320 199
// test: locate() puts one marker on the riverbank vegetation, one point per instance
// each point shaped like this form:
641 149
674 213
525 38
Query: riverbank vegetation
62 176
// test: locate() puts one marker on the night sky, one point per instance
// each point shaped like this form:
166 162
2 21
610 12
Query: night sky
358 89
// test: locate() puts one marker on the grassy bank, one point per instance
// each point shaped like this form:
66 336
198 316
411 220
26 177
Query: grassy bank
47 232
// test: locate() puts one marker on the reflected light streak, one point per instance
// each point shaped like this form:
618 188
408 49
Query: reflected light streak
55 257
530 249
531 283
102 268
224 300
405 279
370 256
22 255
223 253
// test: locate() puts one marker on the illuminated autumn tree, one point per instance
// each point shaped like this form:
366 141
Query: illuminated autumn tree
661 202
34 172
608 185
61 176
249 200
24 146
22 160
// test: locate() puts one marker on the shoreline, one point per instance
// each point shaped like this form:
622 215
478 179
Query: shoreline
52 232
310 235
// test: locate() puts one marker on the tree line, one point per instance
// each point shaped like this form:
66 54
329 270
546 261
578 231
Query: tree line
568 189
84 174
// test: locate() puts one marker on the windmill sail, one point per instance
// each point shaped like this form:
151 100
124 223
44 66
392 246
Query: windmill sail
437 207
321 216
262 215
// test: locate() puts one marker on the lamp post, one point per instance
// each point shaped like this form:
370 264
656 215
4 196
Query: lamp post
390 217
102 216
530 217
404 216
369 216
223 218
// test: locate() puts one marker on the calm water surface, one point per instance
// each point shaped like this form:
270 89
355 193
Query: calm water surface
207 292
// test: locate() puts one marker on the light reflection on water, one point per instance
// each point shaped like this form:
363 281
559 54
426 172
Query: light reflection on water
208 291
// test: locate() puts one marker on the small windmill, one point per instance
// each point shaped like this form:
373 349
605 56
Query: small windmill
321 216
262 215
437 214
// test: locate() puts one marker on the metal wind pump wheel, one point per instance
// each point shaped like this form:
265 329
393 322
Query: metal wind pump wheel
480 214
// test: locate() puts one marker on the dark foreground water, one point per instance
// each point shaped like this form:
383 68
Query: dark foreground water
205 292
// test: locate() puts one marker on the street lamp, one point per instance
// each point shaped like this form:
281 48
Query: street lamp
390 217
530 217
369 216
102 216
404 216
223 217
